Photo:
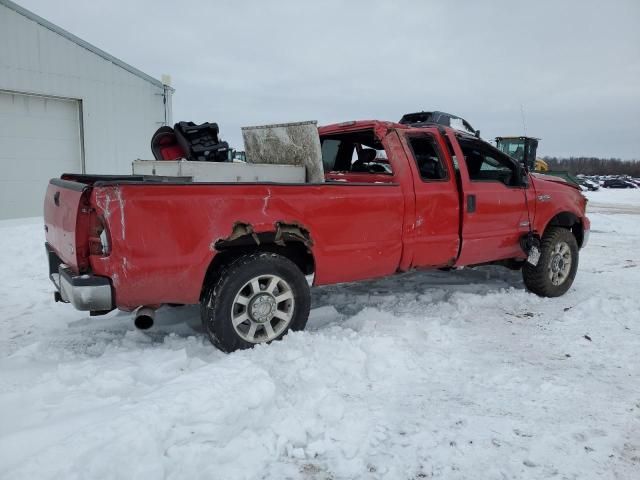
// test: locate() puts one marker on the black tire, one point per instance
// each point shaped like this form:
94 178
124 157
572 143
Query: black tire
220 301
538 279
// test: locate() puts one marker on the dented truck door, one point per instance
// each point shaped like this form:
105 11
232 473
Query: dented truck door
494 215
434 239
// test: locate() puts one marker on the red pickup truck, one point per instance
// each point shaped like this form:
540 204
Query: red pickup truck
395 197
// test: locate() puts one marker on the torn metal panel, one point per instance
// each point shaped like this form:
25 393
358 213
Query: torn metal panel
239 230
286 144
243 233
289 231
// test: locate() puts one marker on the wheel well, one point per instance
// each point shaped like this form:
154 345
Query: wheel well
293 249
571 222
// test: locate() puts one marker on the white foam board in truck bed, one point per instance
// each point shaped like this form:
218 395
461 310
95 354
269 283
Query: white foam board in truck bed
221 171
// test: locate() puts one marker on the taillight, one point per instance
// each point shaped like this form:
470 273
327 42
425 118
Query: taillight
99 241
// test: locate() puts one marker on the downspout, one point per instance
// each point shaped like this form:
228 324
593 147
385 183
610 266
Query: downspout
167 98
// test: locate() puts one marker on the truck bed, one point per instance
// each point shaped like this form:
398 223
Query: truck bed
145 215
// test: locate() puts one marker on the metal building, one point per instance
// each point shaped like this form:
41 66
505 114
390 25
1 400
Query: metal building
66 106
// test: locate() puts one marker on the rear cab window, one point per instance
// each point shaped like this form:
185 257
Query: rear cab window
358 155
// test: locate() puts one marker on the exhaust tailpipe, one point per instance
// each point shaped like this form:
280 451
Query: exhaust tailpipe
144 318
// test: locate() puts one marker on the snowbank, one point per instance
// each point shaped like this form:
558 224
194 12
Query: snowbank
424 375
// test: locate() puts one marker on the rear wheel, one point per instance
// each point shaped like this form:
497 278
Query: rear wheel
256 299
557 265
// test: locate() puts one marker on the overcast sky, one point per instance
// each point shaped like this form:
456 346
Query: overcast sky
574 66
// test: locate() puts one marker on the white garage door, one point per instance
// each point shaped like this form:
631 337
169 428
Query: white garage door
39 139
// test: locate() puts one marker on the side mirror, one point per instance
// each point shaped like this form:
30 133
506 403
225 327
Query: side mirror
524 177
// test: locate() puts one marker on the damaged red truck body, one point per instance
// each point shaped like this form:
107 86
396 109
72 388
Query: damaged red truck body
396 197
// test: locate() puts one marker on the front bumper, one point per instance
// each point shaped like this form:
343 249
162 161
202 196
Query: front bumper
586 230
85 292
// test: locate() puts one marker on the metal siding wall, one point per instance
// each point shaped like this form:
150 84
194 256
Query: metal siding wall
121 110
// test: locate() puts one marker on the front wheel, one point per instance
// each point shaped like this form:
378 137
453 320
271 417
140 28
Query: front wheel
256 299
557 265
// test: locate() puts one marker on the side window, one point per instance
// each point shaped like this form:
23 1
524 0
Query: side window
428 157
490 164
485 164
329 153
336 154
354 152
370 159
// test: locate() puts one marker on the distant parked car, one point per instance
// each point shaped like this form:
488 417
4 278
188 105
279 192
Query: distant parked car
618 183
589 185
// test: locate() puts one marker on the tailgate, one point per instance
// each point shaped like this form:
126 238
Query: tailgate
66 221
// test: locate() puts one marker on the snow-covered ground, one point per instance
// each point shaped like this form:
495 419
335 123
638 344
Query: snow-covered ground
608 200
424 375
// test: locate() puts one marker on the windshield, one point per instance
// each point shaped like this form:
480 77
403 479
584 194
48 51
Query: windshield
513 147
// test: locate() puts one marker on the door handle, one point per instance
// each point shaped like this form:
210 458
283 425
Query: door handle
471 203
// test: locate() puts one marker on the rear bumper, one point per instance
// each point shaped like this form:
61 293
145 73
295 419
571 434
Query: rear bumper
84 292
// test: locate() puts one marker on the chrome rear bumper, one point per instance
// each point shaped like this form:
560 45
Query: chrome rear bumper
85 292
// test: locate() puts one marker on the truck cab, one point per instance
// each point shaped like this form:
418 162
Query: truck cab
465 201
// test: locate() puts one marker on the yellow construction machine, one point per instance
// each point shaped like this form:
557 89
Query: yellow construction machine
524 150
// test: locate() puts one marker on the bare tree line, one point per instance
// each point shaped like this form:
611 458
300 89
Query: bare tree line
595 166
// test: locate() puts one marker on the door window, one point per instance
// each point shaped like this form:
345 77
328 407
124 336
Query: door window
485 164
428 157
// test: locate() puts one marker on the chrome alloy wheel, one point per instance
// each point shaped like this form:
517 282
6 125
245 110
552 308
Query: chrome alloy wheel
559 263
262 309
